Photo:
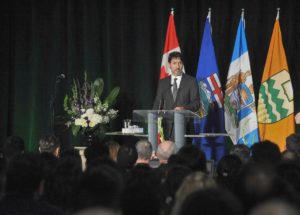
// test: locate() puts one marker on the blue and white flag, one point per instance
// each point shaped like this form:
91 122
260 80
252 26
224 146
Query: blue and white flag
211 97
239 100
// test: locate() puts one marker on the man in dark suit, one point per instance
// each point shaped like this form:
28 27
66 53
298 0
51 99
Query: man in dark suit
178 91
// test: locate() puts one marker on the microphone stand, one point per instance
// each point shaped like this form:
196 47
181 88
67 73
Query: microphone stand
52 104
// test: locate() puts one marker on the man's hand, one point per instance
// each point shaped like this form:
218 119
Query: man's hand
179 108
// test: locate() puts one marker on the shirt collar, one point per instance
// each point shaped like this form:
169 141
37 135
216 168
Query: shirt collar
178 78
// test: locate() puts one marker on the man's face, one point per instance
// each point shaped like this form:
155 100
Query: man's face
176 66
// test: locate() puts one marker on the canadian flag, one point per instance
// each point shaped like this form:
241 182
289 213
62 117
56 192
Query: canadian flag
171 45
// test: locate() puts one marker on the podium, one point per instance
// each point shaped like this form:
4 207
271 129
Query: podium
178 117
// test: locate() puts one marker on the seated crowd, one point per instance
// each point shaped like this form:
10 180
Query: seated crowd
128 179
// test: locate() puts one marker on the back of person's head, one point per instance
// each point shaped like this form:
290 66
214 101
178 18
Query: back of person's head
49 144
97 211
192 157
266 152
193 182
172 181
255 183
227 170
289 171
100 186
59 188
242 151
211 201
12 146
24 174
127 156
275 207
142 192
144 149
289 156
165 150
113 148
293 143
175 55
95 151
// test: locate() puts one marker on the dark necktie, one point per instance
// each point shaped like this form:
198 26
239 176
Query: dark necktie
175 89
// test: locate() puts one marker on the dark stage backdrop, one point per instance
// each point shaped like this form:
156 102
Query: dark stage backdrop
122 42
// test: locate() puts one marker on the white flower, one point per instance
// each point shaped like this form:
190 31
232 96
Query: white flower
81 122
94 120
82 110
90 111
106 119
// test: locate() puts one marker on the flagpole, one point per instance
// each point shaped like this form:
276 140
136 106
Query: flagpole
172 11
209 14
243 17
278 12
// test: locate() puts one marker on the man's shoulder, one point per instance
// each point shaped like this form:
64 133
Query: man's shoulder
188 78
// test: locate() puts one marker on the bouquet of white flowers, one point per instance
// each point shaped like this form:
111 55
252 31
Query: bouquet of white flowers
86 112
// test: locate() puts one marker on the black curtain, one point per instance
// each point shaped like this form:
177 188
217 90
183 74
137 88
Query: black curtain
122 42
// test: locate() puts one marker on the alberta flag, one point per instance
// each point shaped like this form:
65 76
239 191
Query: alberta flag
239 101
211 97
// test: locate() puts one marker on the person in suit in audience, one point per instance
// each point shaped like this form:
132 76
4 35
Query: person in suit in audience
178 91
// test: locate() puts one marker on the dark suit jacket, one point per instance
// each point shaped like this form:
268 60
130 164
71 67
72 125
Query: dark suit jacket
187 97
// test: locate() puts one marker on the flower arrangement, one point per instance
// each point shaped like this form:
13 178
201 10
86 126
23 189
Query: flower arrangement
87 114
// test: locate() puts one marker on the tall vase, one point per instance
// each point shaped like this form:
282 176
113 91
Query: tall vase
90 137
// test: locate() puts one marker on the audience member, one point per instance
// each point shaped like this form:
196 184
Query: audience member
289 171
95 151
266 152
211 201
242 151
97 211
12 146
193 182
142 192
289 156
172 181
144 151
259 182
100 186
165 150
113 148
293 143
127 156
49 144
60 186
192 157
24 185
227 171
275 207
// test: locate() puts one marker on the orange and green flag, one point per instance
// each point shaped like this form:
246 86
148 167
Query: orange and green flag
276 99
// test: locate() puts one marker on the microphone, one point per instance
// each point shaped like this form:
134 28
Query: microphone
61 76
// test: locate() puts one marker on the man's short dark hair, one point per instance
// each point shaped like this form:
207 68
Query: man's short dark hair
293 143
173 55
48 143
